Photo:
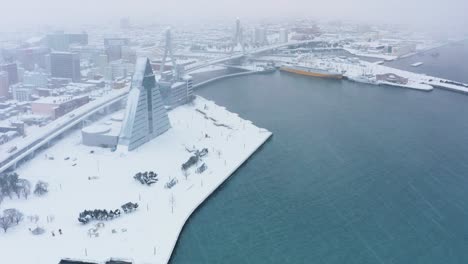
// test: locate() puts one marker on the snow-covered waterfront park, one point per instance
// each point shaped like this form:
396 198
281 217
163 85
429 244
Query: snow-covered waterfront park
87 178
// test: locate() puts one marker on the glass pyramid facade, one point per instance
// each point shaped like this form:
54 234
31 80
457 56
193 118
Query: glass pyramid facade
145 115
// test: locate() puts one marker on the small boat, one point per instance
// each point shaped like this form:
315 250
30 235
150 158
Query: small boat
417 64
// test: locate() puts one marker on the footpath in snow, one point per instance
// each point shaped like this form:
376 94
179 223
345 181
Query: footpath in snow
82 177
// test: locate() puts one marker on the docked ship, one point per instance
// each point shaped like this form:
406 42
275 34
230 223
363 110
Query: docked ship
308 71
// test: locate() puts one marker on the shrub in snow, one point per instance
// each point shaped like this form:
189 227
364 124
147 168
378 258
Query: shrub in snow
146 177
129 207
170 184
97 214
202 168
190 162
38 231
102 214
201 153
194 159
41 188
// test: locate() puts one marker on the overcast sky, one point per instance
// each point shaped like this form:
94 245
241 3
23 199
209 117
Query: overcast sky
433 13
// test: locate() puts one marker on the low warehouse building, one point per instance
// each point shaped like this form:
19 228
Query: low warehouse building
56 107
104 134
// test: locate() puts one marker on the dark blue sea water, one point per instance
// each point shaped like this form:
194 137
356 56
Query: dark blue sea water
451 62
353 174
204 76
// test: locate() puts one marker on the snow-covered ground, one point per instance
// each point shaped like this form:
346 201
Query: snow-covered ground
356 69
104 180
34 133
370 55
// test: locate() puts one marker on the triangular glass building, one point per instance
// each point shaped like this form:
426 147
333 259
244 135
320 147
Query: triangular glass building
145 115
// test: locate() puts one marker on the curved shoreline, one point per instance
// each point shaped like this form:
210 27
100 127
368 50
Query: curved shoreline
201 84
269 134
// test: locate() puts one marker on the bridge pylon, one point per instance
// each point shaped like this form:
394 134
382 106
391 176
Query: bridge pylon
237 39
168 51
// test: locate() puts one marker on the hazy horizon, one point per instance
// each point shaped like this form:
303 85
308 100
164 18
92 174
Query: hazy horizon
435 14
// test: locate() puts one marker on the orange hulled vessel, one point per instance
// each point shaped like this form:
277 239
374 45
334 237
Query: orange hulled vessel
308 71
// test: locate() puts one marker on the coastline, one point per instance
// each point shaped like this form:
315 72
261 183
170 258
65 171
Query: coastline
201 84
253 152
151 232
412 54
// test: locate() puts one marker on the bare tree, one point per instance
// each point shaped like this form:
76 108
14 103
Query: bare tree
5 223
172 201
41 188
8 183
15 215
23 187
33 218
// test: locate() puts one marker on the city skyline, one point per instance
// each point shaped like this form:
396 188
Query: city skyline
301 135
435 15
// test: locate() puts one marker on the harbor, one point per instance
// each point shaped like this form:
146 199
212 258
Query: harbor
341 152
362 71
128 140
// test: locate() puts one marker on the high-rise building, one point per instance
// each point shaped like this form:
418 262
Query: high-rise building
114 52
128 54
12 70
145 115
78 38
20 74
60 41
22 93
119 69
283 36
65 65
260 36
37 79
32 57
101 63
181 92
4 84
177 93
114 46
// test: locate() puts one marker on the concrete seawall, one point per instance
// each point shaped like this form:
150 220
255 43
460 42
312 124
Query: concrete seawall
450 89
235 168
198 85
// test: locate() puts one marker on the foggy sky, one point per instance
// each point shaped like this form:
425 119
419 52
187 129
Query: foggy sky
447 14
